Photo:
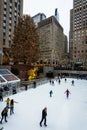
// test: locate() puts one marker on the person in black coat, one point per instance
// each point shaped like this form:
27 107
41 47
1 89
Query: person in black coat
44 114
1 95
4 114
34 84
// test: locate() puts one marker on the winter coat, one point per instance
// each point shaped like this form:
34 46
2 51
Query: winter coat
5 111
44 113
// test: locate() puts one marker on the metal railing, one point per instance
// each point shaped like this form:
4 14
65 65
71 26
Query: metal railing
25 85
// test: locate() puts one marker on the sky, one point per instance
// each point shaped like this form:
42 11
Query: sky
62 113
33 7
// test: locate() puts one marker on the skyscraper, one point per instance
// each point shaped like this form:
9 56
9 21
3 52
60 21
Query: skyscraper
10 10
57 14
78 32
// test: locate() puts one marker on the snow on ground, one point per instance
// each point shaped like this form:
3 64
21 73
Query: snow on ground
63 114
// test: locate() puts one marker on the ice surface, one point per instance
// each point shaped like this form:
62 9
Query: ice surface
63 113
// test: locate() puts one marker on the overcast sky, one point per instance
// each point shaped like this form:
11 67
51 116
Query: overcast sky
32 7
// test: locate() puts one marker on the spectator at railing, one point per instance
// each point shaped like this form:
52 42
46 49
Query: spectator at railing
1 95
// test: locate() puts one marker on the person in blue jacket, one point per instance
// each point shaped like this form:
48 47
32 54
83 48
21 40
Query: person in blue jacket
51 92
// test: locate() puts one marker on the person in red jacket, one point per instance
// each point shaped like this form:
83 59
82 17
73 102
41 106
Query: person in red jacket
67 93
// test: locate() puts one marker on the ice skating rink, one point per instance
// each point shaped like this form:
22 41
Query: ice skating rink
62 113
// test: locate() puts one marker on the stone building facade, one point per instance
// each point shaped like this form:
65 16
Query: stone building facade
78 32
52 42
10 10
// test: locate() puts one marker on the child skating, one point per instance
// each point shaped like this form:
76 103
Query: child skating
67 92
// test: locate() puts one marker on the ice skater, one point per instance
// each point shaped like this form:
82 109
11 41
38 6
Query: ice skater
51 93
34 84
65 79
4 114
7 102
72 82
67 92
44 114
12 106
52 82
59 81
1 128
1 95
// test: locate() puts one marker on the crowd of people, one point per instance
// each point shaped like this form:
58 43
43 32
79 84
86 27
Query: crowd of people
67 92
10 103
44 111
9 107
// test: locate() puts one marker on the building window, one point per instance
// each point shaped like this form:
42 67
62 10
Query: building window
4 6
10 1
5 18
9 33
4 24
16 1
4 27
15 4
9 24
4 15
10 18
15 14
4 30
3 41
9 21
10 9
9 29
10 15
4 12
15 23
15 9
10 43
4 34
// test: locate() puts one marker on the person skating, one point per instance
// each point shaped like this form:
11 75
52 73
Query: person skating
59 81
1 95
51 92
34 84
1 128
67 93
72 82
65 79
44 114
4 114
7 102
12 106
